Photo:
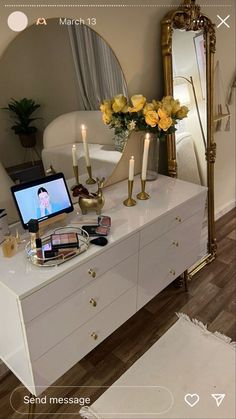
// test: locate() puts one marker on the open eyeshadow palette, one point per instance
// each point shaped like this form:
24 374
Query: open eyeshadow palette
102 228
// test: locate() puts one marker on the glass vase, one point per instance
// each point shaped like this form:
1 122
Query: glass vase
120 140
153 157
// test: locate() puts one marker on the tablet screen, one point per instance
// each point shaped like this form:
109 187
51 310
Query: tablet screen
42 199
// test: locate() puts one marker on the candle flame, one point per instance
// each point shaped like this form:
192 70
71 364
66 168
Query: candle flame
83 126
132 157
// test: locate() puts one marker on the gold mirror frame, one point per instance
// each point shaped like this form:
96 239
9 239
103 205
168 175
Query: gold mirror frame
188 17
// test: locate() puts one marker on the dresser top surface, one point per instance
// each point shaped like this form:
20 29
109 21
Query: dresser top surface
22 278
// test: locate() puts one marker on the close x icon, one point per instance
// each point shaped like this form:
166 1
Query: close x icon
223 21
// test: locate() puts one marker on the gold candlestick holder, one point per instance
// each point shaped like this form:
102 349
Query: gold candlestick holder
143 195
90 180
76 173
130 202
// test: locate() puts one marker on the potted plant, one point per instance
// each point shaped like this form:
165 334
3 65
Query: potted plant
22 110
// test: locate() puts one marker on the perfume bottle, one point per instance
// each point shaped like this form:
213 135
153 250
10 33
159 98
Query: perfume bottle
33 227
9 246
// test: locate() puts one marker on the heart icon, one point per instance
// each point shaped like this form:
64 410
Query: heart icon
192 399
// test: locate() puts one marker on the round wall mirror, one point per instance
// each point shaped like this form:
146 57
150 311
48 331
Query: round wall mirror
68 71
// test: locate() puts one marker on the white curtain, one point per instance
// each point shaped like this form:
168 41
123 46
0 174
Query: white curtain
98 71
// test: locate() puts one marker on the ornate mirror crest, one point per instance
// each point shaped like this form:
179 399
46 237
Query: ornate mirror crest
188 17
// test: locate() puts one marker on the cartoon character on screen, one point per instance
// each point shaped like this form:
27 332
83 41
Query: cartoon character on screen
46 207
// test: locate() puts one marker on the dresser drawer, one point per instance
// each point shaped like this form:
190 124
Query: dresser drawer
64 286
52 326
63 356
163 260
173 218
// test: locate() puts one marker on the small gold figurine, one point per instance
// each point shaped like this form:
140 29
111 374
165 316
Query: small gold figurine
93 202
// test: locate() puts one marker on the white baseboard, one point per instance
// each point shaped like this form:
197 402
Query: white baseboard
224 209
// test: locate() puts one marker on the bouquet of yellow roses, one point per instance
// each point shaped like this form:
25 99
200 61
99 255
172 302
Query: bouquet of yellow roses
158 117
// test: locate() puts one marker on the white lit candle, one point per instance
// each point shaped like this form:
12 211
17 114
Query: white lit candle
74 155
86 149
145 157
131 168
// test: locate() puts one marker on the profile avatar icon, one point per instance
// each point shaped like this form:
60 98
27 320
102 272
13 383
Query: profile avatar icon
41 21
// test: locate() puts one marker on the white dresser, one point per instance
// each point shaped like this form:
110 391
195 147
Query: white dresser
52 317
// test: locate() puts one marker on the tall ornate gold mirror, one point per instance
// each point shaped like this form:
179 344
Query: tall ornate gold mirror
188 47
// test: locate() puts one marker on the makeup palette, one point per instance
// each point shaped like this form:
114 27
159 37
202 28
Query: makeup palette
100 229
64 241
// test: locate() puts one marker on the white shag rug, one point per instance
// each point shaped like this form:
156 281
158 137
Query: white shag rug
182 369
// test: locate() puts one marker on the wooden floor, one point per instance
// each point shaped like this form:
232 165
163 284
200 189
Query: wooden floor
211 298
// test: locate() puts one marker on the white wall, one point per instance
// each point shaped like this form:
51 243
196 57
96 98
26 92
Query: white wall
134 35
225 176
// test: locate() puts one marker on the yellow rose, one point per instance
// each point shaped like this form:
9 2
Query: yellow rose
157 104
175 106
167 108
138 102
148 107
151 118
107 116
182 113
167 99
105 106
167 104
162 113
165 123
170 105
119 103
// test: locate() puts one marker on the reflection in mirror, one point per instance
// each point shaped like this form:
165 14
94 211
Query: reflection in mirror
189 77
69 71
189 83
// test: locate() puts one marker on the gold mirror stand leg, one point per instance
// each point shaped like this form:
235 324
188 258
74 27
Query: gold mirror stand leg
32 408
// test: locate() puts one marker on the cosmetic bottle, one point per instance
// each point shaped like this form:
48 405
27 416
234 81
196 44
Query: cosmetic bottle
9 246
39 252
33 227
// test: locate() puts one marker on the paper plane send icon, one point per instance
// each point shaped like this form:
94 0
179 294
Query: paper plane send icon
218 398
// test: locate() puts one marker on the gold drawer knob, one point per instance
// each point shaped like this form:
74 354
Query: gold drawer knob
179 219
94 335
175 243
172 271
93 302
92 273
